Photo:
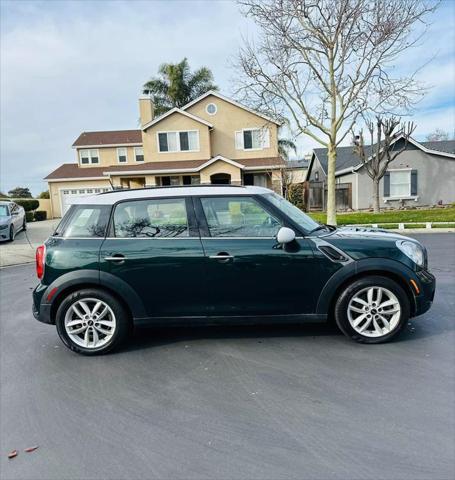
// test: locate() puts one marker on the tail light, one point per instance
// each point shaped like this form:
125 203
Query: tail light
40 260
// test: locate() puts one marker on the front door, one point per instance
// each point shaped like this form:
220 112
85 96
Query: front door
155 248
247 271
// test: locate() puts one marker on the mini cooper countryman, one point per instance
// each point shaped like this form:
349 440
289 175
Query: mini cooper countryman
214 254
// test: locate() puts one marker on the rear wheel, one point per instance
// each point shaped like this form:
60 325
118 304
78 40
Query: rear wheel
372 310
92 322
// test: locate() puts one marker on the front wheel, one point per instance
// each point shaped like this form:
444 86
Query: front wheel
92 322
11 233
372 310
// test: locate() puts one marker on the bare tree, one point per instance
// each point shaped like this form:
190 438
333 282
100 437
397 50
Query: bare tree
323 62
437 135
383 148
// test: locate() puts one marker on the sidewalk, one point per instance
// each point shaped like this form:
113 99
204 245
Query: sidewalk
21 251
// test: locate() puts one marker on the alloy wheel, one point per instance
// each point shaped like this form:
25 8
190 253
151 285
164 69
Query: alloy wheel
90 323
374 311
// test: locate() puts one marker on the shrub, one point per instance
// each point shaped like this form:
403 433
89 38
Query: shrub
44 194
29 216
295 195
40 215
29 204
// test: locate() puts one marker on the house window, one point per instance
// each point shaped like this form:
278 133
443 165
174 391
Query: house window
252 139
316 176
211 109
89 156
139 154
400 183
186 141
122 155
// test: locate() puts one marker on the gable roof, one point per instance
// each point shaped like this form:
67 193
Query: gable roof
232 102
175 110
107 138
445 146
347 159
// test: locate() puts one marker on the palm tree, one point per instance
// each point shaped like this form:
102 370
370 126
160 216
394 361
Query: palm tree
176 85
285 145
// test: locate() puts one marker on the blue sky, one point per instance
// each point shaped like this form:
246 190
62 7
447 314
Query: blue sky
68 67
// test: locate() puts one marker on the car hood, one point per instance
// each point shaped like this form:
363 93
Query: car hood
365 233
364 242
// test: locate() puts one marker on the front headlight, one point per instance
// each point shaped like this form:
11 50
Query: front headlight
2 227
412 250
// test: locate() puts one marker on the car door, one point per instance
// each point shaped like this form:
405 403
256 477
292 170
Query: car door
249 273
16 217
154 246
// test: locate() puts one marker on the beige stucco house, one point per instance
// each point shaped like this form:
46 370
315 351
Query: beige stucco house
212 139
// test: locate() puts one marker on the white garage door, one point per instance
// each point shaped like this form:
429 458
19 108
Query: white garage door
69 195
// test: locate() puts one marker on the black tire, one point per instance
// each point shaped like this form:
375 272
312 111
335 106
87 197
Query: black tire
11 233
24 225
123 321
341 308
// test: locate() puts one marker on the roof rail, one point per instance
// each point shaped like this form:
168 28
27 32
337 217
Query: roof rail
121 189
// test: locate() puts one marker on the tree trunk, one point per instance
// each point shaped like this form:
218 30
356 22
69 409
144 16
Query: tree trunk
331 194
376 208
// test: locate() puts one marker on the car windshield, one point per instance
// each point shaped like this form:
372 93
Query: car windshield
294 213
4 211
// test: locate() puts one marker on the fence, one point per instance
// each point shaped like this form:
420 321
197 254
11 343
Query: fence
318 195
402 225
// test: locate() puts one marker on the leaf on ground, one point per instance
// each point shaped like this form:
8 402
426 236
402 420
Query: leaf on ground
12 454
31 449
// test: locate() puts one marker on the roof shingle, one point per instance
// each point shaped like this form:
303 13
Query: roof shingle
113 137
72 170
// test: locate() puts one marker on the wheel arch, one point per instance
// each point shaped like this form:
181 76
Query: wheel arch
98 280
361 269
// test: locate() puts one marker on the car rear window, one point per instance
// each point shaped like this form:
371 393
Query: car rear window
151 218
86 221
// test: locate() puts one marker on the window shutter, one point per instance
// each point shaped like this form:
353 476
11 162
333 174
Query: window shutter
387 184
239 140
265 138
414 182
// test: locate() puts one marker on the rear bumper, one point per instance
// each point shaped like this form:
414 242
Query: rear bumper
424 300
41 311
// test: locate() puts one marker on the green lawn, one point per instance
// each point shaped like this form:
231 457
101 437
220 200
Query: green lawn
431 215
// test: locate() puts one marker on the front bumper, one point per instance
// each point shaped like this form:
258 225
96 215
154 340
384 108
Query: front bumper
427 284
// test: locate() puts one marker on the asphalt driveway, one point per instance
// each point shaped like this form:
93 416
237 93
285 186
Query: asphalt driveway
225 403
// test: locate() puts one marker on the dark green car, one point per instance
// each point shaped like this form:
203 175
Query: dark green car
214 254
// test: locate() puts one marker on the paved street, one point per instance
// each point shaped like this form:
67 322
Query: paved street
225 403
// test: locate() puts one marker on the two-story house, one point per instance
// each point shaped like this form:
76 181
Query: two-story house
212 139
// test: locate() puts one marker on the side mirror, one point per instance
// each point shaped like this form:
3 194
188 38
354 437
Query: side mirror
285 235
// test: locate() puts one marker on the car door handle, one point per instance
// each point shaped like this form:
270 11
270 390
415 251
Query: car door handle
221 257
117 257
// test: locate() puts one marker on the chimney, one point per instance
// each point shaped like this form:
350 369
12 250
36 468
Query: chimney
146 109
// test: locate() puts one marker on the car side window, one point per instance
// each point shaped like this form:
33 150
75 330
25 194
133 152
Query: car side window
151 218
87 221
238 217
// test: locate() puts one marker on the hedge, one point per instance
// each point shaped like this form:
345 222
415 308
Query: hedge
29 216
40 215
29 204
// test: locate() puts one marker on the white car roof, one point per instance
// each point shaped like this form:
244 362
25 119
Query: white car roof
108 198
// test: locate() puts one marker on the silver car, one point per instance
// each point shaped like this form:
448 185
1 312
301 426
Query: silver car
12 220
